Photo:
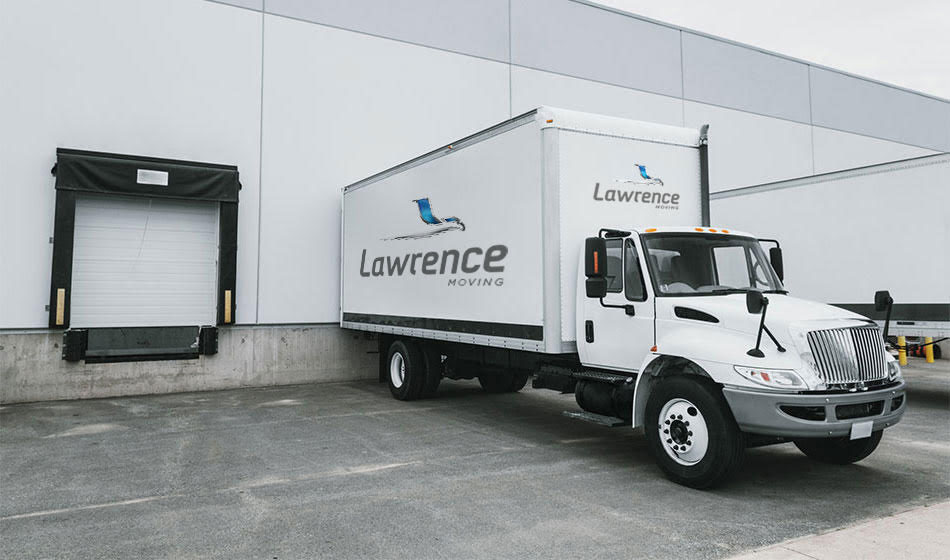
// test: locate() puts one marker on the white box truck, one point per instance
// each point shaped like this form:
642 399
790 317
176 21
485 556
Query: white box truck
897 214
575 249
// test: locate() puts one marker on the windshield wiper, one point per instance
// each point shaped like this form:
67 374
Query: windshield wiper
729 291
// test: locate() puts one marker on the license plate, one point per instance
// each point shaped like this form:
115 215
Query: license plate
860 430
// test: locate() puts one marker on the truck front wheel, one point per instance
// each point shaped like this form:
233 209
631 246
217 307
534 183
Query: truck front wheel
839 451
406 369
691 432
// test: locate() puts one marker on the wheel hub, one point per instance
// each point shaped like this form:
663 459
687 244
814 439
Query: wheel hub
683 432
397 370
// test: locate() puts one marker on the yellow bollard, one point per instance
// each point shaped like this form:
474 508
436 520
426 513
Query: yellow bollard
902 350
929 349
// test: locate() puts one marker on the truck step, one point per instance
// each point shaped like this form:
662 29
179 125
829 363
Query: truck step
609 421
603 376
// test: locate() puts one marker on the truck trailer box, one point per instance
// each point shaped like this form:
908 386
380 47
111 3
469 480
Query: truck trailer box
575 250
900 243
479 241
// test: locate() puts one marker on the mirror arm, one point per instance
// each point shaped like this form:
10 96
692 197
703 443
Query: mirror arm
755 352
772 336
887 317
628 309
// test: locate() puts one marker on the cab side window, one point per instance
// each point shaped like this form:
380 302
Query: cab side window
633 286
614 265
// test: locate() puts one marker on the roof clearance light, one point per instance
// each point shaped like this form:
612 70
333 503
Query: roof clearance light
550 121
712 230
724 230
650 230
698 229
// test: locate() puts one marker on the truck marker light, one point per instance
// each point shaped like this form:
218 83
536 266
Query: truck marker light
650 230
596 263
550 121
653 349
713 230
698 229
724 230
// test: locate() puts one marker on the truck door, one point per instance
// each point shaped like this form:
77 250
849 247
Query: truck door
612 337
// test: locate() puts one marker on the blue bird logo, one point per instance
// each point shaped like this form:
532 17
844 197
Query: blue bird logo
646 179
439 225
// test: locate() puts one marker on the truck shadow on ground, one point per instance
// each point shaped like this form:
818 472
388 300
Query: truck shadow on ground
771 472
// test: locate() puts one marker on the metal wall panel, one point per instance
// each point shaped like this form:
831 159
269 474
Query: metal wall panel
732 76
249 4
119 84
533 88
588 42
836 150
855 105
747 149
842 238
477 28
336 120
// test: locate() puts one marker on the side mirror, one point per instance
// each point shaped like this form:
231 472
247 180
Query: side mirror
595 266
882 300
775 256
754 301
595 257
596 287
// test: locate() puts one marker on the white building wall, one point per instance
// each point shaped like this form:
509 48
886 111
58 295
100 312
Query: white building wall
176 79
313 96
360 104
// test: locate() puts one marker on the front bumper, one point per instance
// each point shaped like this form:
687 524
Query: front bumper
761 412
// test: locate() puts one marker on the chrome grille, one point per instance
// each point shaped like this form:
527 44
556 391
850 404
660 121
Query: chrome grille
849 355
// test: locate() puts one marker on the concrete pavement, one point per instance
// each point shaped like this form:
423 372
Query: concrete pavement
920 533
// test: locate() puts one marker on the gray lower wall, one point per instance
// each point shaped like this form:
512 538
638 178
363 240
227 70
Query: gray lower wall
32 368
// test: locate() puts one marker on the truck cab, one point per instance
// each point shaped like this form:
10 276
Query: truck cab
723 356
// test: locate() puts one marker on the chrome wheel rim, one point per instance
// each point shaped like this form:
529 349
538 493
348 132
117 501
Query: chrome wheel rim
397 370
683 432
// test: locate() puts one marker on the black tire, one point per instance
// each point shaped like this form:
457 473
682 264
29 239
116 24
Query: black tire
724 442
839 451
407 358
504 381
433 360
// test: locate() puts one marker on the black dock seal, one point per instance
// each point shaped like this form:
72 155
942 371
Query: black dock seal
98 173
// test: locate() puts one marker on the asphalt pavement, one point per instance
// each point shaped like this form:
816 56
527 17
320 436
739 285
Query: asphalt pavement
344 471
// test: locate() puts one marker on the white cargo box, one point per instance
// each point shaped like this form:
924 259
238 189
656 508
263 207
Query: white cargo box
478 242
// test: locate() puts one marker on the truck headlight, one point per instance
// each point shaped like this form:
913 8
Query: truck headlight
893 370
773 378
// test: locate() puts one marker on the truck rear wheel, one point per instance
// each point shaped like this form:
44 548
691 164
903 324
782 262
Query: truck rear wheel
406 370
692 434
503 381
839 451
433 362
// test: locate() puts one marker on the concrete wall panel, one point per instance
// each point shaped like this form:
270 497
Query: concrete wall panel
852 104
178 79
728 75
747 149
588 42
336 120
836 150
477 28
532 88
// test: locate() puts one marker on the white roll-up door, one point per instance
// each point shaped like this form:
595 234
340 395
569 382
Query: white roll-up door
140 262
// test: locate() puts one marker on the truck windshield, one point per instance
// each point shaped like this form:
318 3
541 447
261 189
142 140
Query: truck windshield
703 264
